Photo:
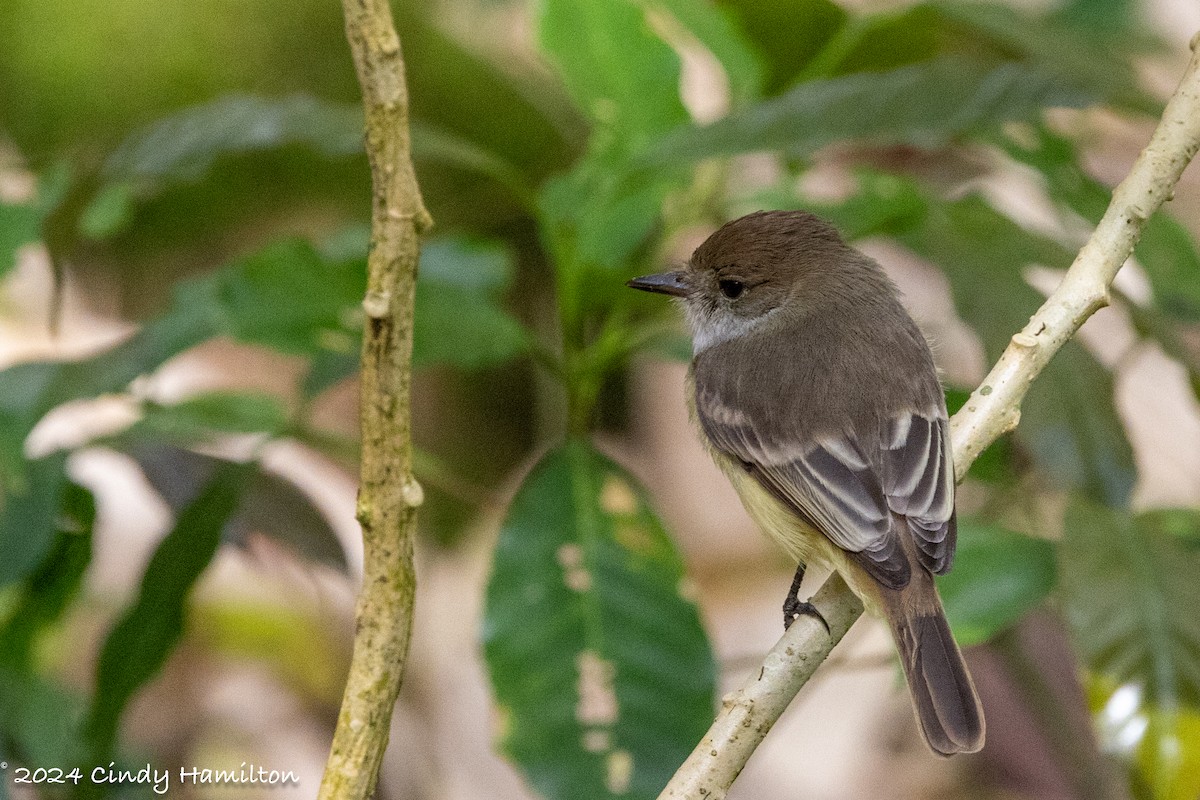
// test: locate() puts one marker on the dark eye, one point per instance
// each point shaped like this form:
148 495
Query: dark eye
732 289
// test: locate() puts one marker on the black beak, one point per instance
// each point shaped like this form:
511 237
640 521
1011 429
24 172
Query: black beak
672 283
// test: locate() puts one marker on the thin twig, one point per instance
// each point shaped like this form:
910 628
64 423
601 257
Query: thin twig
993 409
388 496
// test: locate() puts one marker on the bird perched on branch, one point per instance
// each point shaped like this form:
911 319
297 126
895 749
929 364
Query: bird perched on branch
817 396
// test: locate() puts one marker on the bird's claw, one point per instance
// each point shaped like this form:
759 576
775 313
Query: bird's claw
794 607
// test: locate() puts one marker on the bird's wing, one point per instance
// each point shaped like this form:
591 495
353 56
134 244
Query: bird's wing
830 482
851 492
918 480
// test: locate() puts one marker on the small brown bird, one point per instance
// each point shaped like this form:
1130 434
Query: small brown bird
818 397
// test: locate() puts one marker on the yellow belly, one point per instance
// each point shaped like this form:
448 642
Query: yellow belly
798 540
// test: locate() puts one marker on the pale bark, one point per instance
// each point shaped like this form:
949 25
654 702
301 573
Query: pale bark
388 495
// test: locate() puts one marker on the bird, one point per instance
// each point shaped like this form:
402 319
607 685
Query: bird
817 395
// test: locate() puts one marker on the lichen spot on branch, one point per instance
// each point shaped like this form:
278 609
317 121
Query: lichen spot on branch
377 305
412 494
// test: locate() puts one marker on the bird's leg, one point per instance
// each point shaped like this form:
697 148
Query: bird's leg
793 606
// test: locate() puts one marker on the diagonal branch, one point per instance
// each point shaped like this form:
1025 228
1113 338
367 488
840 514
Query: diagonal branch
388 495
994 408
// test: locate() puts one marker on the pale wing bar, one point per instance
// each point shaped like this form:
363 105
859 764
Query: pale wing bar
919 484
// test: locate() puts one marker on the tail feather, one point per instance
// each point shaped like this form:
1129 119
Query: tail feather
943 694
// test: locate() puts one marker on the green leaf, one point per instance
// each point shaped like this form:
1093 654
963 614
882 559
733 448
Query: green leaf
626 78
786 33
1068 420
28 517
1104 16
619 72
459 319
291 297
198 417
1168 253
184 146
998 575
1072 54
602 672
476 265
924 105
327 369
1180 523
108 212
1132 600
28 391
270 505
139 644
880 42
597 215
22 389
19 225
1056 158
1081 56
50 588
456 326
288 297
433 144
40 720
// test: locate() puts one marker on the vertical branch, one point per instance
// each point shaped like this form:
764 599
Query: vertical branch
388 495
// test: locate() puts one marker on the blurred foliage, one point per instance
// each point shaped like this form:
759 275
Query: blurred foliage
303 655
998 575
140 642
214 175
1131 598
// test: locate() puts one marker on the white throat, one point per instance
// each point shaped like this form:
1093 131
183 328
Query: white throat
714 327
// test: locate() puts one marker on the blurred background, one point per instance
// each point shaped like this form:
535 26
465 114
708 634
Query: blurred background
183 225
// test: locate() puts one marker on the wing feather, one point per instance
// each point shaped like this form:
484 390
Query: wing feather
919 468
860 492
832 483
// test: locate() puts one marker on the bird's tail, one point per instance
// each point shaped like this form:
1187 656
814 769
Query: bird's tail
943 694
